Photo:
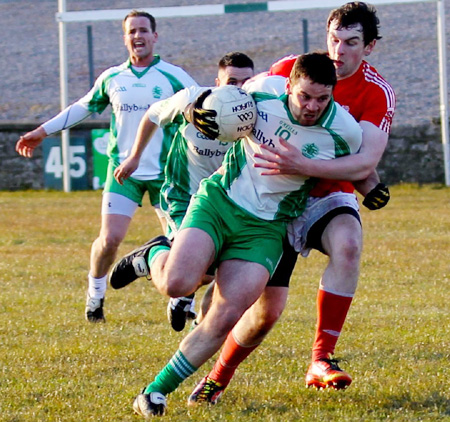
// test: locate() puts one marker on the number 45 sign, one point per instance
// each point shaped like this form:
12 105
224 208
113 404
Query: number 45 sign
53 164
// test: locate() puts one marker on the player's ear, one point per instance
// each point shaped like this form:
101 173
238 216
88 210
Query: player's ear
288 86
217 81
369 47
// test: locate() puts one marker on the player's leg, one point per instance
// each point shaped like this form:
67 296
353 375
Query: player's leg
246 336
342 242
181 309
227 307
249 332
119 203
180 272
172 211
117 212
205 303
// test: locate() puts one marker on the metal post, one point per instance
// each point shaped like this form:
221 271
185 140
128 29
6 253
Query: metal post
90 43
63 80
90 55
305 36
442 45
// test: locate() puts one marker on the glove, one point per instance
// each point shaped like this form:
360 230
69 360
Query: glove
203 119
377 198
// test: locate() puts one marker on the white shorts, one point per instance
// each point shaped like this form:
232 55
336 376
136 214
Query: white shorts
114 203
316 208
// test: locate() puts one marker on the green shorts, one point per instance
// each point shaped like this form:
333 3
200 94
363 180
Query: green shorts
174 206
132 188
173 224
236 233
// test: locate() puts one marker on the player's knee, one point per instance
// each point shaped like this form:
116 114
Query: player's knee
348 252
110 242
229 317
266 322
272 316
177 285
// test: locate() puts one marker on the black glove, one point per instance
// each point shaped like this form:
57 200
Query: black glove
204 120
377 198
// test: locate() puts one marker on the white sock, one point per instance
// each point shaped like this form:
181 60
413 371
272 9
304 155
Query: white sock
97 287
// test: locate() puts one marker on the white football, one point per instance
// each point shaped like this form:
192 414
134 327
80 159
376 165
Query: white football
236 112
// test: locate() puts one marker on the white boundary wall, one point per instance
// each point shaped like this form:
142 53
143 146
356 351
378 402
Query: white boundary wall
63 17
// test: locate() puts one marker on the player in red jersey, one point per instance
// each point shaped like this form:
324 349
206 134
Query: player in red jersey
332 223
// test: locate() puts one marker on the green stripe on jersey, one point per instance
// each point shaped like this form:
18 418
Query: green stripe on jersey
341 147
294 203
100 98
177 170
263 96
176 84
233 163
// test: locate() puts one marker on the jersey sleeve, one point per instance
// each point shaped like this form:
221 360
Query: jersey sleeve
283 66
268 84
97 99
166 111
69 117
381 112
178 78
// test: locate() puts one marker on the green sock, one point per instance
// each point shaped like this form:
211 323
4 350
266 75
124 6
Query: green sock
172 375
154 252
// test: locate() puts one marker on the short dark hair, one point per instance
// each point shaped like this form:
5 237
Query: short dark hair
236 59
140 13
357 12
316 66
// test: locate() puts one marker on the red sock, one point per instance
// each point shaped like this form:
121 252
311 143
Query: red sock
331 313
230 357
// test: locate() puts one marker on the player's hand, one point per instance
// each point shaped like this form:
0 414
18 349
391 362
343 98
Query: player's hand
203 119
286 159
28 142
377 198
126 169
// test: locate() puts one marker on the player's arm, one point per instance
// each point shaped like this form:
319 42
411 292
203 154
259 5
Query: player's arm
28 142
69 117
144 134
287 159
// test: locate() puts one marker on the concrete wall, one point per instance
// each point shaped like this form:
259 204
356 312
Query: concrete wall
19 173
413 155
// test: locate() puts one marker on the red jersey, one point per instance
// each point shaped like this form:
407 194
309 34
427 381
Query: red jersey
365 95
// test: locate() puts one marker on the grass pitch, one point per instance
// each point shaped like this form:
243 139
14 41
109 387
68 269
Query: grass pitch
57 367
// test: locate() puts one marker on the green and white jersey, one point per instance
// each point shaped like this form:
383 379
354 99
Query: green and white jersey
130 94
192 156
283 197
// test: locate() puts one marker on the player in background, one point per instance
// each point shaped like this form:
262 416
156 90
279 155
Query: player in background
331 222
237 219
191 158
129 88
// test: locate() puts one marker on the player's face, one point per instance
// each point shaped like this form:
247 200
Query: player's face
346 48
139 40
308 100
231 75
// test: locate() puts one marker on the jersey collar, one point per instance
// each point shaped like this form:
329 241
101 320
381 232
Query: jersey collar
325 119
156 59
